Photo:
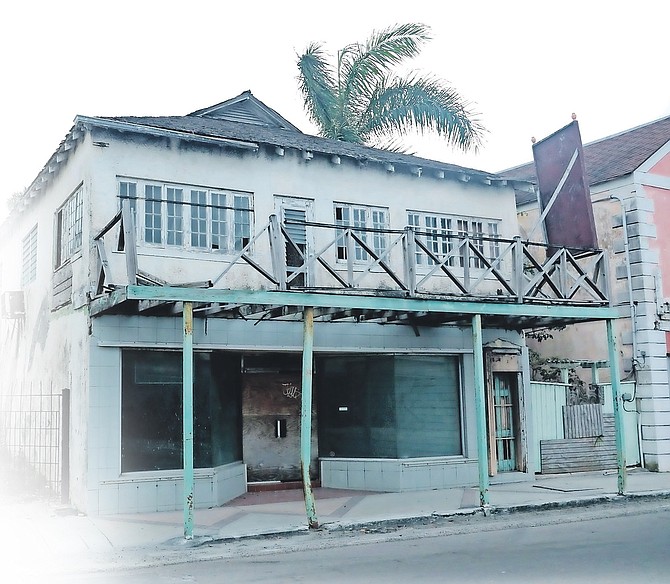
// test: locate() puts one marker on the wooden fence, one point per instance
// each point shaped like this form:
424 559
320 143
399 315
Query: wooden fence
549 435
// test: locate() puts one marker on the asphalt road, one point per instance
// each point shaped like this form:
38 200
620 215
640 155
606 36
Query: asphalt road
624 542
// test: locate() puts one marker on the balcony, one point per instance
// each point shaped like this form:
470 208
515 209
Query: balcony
385 275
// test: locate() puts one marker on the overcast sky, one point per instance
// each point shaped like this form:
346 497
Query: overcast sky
525 65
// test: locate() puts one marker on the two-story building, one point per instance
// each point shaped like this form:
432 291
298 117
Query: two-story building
204 290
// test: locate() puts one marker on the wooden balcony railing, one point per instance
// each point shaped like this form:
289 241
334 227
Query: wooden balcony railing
409 263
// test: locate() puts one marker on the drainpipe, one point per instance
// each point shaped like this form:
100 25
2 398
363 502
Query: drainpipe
633 313
626 249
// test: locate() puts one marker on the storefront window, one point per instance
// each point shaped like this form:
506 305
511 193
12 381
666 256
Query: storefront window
152 430
389 406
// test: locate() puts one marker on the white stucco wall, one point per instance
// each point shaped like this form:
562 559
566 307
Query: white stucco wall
46 350
266 175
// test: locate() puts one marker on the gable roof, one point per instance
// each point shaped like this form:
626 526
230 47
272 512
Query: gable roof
248 109
611 157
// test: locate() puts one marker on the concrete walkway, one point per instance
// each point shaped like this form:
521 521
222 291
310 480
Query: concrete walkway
62 538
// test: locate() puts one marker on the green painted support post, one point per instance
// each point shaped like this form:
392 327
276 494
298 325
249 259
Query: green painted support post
618 418
306 415
187 413
480 411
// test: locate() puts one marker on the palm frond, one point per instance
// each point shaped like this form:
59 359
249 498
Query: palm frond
361 101
318 89
421 104
373 61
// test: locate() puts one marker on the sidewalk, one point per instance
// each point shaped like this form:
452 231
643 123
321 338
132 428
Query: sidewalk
61 538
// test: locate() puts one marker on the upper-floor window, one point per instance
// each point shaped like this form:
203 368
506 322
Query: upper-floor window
443 234
69 227
189 216
371 224
29 257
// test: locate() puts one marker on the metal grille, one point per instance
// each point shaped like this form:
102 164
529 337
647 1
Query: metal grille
30 432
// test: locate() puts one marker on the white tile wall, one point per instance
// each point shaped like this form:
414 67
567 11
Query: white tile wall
395 475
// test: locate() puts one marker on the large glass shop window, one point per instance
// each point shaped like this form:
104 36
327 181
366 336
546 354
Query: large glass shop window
151 426
389 406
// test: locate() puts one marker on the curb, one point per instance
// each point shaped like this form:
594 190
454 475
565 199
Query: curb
394 523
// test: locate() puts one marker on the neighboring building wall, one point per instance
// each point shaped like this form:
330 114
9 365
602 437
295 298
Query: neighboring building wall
647 210
654 178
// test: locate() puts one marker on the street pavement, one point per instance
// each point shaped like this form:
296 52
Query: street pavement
45 538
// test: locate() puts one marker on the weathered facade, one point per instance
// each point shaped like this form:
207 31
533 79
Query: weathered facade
629 178
411 269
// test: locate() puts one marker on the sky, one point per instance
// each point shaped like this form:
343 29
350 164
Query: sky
524 66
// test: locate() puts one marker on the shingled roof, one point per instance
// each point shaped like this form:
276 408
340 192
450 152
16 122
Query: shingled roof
246 118
609 158
245 122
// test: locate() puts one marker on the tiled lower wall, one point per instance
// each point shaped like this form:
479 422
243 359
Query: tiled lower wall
150 494
396 475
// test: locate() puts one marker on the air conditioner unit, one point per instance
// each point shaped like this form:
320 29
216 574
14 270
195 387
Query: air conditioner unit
13 304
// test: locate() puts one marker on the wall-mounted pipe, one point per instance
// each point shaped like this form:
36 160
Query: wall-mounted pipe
629 280
633 312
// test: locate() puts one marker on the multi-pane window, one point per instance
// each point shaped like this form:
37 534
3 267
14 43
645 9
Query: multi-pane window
128 190
444 234
379 223
219 221
494 242
192 217
475 230
69 224
198 218
242 223
175 215
29 257
370 225
153 214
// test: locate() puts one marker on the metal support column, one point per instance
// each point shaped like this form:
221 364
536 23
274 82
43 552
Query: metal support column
187 413
618 418
306 415
480 411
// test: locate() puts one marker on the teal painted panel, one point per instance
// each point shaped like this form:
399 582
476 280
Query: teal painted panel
547 404
547 401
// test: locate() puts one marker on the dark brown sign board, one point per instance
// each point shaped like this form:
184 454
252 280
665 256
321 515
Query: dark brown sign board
565 201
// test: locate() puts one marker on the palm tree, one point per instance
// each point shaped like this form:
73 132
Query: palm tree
362 101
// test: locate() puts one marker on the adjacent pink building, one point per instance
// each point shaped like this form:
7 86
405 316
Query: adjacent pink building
629 179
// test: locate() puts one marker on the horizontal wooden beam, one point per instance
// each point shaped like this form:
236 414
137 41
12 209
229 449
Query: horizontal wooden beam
344 301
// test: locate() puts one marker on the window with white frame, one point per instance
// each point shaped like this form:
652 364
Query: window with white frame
174 215
29 257
371 225
69 225
445 234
